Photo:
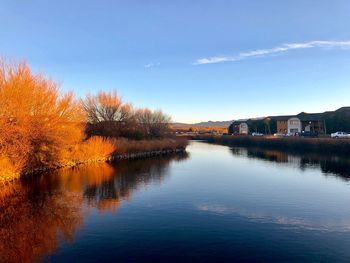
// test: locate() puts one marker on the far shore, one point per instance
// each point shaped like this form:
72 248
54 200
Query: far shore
296 144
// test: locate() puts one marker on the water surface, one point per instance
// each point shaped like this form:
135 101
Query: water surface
213 204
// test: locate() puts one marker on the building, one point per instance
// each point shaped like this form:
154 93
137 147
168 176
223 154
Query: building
239 127
243 128
312 122
294 125
321 123
309 122
282 123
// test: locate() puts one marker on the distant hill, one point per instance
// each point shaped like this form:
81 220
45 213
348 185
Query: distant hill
204 124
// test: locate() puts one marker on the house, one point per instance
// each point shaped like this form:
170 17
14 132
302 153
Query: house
243 128
312 122
282 123
321 123
239 127
294 125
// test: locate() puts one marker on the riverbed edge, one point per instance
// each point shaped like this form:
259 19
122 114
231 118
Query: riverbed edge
109 159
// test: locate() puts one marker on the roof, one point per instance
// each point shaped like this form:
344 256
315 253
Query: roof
303 116
343 109
239 121
282 117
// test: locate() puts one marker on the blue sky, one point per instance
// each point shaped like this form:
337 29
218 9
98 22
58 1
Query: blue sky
196 60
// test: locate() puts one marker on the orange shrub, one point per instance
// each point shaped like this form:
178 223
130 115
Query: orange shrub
125 146
36 120
93 149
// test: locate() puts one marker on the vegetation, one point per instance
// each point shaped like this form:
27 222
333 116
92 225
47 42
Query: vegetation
127 146
43 127
109 116
338 121
185 128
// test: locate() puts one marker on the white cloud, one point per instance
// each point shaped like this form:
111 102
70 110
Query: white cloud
275 50
152 65
266 216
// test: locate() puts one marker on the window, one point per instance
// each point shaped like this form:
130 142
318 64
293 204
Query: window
294 122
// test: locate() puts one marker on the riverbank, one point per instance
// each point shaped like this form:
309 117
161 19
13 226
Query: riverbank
124 149
295 144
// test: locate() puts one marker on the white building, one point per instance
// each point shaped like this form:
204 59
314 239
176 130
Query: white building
294 125
243 128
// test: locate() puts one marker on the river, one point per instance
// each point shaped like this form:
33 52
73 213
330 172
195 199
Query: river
214 203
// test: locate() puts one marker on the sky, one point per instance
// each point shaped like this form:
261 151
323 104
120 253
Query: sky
196 60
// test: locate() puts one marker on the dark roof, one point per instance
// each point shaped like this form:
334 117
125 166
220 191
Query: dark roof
237 122
282 117
303 116
343 109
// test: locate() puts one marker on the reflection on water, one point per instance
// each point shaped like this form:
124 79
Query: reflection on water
37 212
218 204
31 223
328 164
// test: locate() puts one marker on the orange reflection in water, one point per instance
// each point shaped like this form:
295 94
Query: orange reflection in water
38 212
30 227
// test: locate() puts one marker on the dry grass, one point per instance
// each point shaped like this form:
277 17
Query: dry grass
91 150
125 146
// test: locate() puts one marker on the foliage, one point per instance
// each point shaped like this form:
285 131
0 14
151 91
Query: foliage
36 120
41 127
339 121
125 146
109 116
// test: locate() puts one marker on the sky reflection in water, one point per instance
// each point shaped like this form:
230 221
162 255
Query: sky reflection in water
213 203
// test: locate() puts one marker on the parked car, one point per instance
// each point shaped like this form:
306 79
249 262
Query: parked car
340 135
257 134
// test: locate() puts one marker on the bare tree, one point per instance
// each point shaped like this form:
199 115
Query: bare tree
152 124
107 114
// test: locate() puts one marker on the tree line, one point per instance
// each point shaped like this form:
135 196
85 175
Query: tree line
109 116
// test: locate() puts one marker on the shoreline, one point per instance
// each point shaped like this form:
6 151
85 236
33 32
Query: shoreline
293 144
110 159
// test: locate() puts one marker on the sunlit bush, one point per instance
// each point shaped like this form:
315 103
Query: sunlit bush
36 120
93 149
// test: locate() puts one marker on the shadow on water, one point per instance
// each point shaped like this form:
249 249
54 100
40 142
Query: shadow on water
329 164
37 212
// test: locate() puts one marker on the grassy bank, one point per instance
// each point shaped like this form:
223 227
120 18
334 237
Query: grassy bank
98 149
296 144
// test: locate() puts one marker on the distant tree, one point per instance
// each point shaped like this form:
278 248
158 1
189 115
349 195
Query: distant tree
230 128
152 124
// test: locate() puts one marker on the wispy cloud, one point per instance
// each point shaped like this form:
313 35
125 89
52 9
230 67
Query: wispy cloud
266 216
275 50
152 65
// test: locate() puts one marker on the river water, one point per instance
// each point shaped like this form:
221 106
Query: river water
214 203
